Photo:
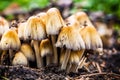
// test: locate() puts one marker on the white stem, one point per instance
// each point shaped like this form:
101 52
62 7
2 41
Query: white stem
37 54
55 59
65 60
48 59
11 55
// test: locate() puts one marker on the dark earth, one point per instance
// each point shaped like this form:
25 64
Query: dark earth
109 64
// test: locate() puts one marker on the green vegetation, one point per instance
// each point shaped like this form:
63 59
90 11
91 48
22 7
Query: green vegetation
25 4
107 6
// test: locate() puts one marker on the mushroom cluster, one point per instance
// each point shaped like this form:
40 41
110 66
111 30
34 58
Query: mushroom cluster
46 38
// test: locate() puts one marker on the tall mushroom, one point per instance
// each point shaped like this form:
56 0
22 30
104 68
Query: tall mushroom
69 38
35 30
53 25
46 50
10 41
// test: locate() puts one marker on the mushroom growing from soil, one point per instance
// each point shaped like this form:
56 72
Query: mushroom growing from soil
20 59
46 50
69 38
4 25
10 41
35 30
53 25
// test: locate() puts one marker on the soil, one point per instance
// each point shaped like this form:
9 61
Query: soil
108 63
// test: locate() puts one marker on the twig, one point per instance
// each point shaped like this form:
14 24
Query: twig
103 73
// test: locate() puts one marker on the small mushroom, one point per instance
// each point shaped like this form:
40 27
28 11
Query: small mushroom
26 49
20 59
10 41
46 50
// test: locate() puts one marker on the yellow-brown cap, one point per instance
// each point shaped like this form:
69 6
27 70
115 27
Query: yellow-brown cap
35 29
54 21
10 40
20 59
70 38
46 47
27 50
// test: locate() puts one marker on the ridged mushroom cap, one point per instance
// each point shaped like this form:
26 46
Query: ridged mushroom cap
21 27
27 50
4 25
91 38
35 29
54 21
46 47
10 40
70 38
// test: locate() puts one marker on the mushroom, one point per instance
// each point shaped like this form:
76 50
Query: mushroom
4 25
83 19
42 16
10 41
91 37
21 27
53 25
69 38
20 59
46 50
26 49
35 30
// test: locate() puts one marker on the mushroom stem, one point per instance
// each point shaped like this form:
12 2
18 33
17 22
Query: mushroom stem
48 59
68 67
55 59
65 60
37 54
73 67
10 55
3 56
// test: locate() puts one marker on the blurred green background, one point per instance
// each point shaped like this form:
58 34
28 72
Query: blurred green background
107 6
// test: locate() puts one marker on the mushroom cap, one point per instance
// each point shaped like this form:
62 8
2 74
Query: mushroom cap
54 21
43 16
70 38
21 27
10 40
27 50
19 59
35 29
4 25
83 19
46 47
72 21
91 38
